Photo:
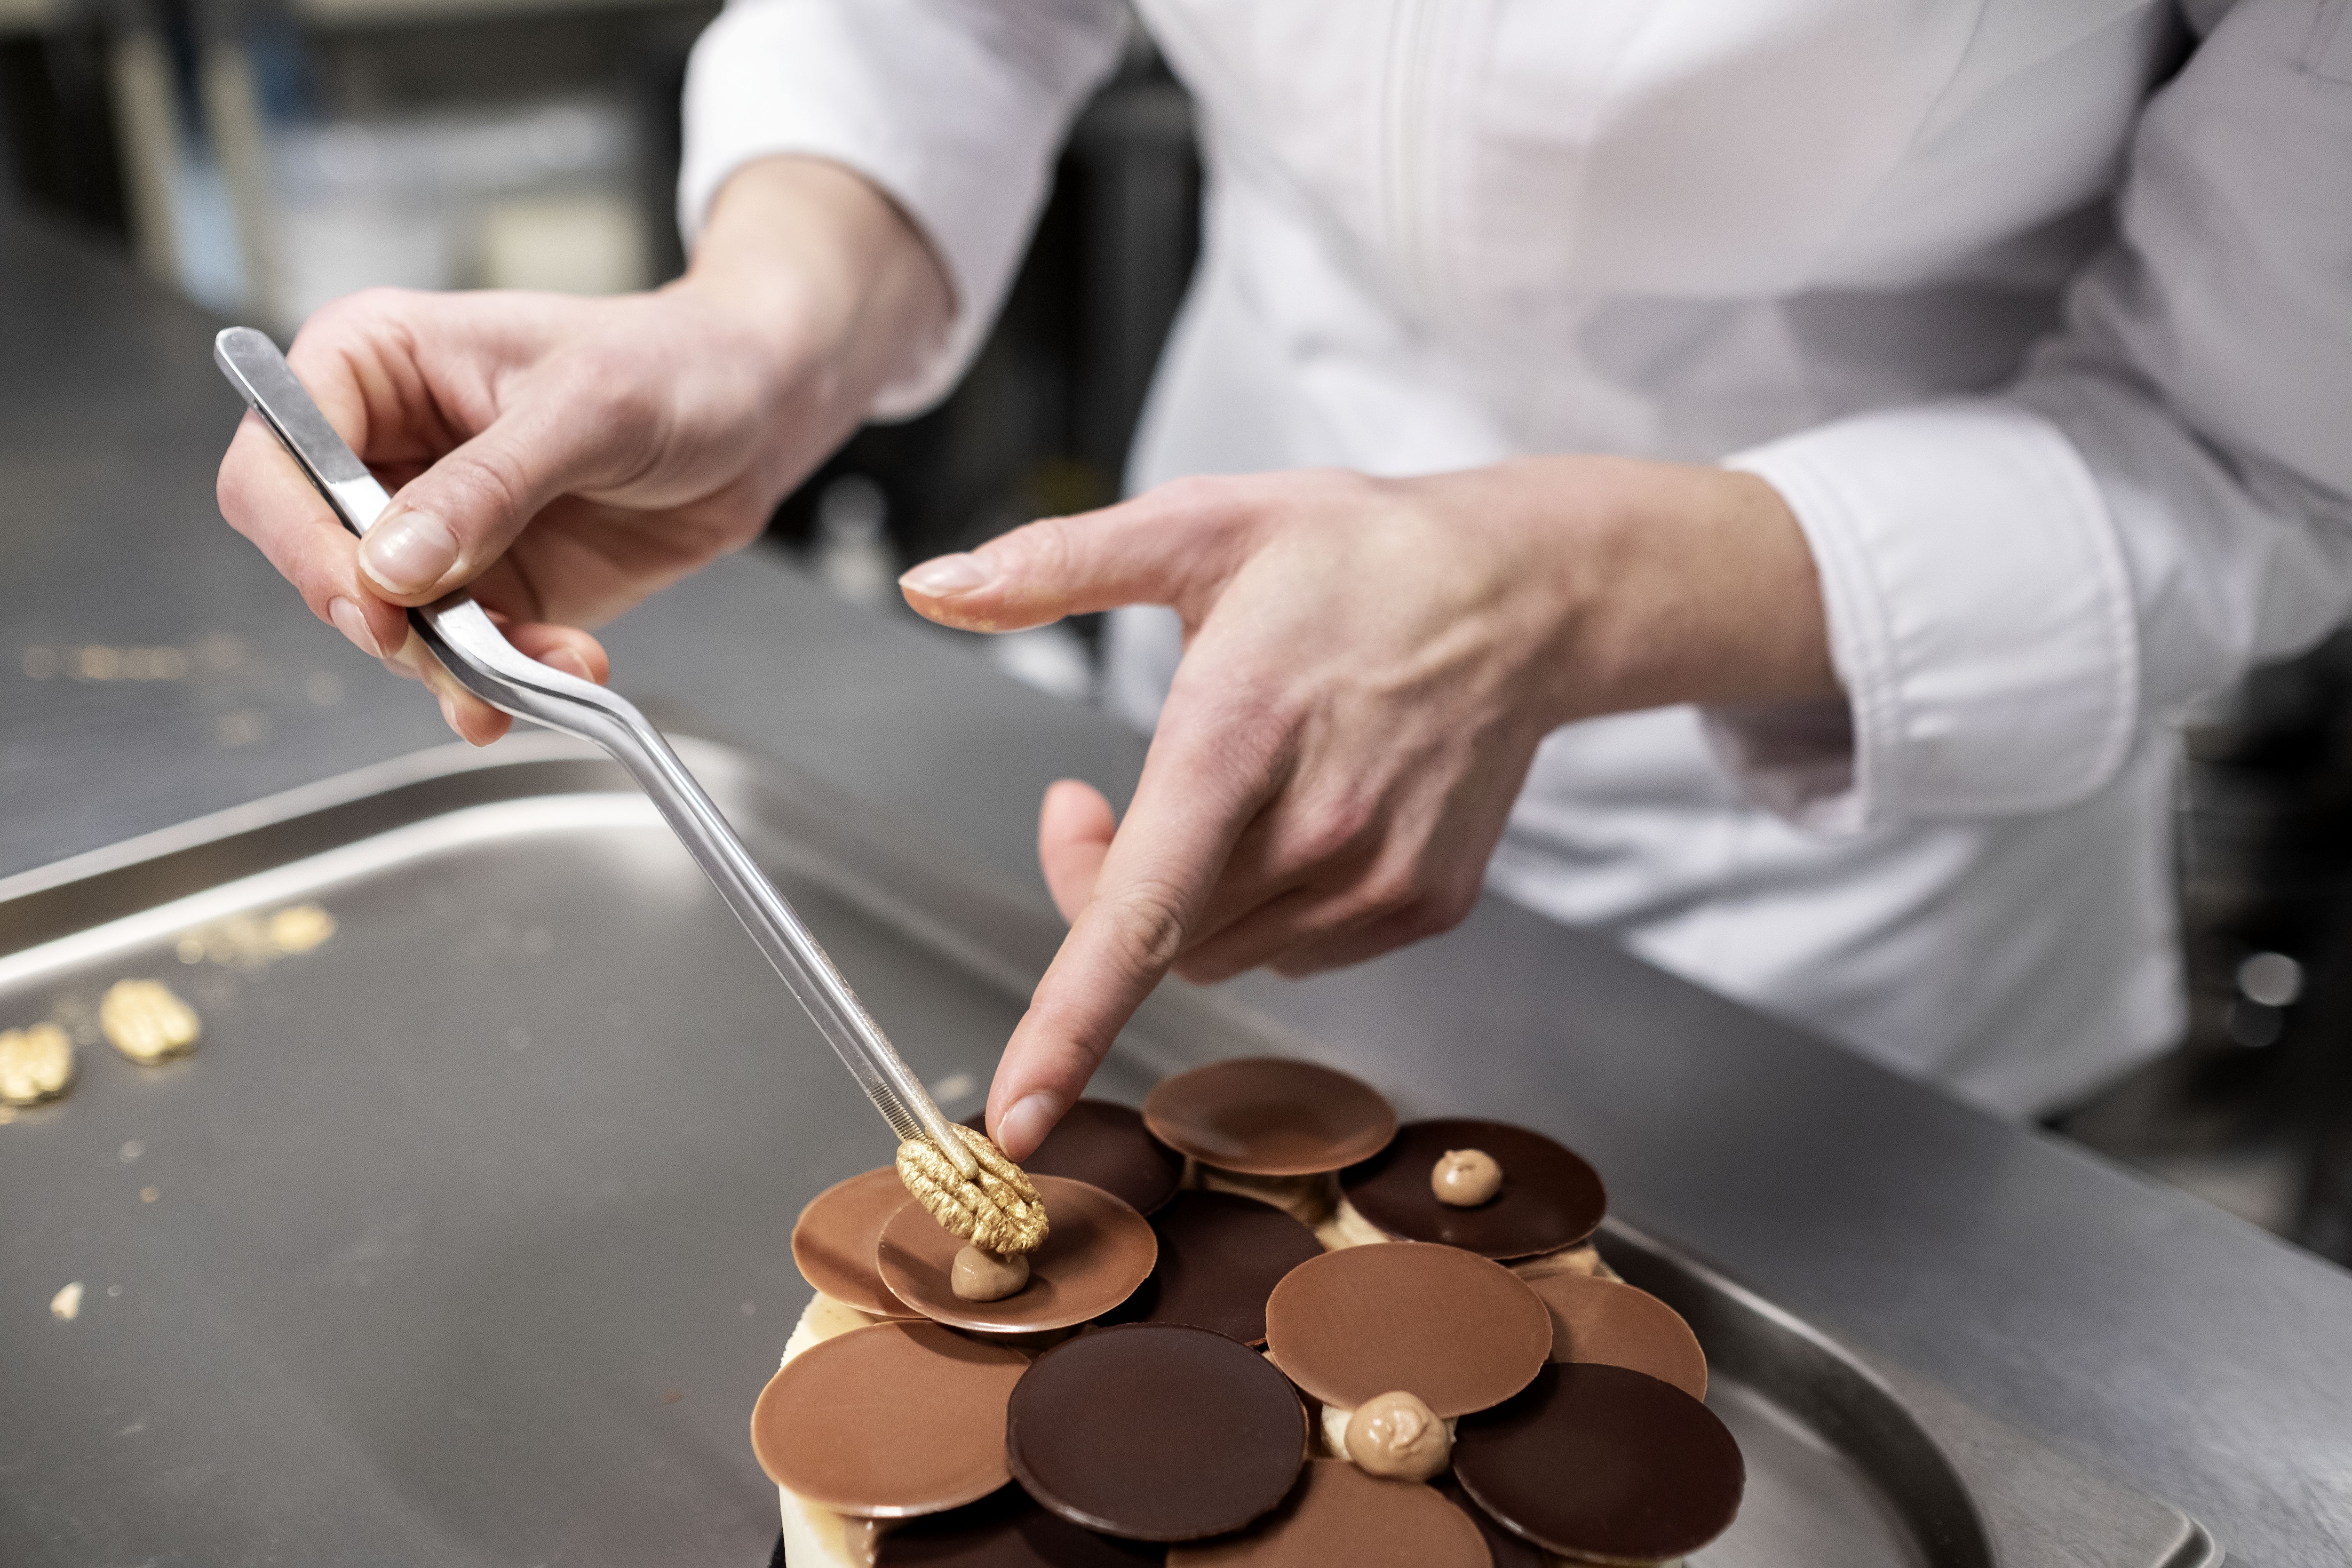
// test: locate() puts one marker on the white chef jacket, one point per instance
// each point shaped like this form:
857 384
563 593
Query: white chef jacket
2038 312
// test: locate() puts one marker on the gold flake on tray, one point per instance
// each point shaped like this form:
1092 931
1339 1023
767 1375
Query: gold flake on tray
299 927
36 1064
249 940
144 1021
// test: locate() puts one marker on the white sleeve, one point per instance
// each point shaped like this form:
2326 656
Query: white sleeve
955 108
2016 586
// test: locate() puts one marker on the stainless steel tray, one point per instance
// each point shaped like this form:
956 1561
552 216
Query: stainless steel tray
462 1237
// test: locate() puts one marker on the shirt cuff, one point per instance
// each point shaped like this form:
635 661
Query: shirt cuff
1979 619
953 110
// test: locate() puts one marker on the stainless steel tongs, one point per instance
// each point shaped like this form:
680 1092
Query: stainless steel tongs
473 649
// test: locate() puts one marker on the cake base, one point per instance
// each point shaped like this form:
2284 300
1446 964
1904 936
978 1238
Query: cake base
819 1538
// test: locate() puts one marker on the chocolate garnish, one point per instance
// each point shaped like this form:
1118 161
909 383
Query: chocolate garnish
1220 1258
1614 1324
1096 1252
1269 1116
832 1241
1601 1461
888 1421
1550 1198
1457 1330
1106 1143
1341 1517
1508 1549
1008 1529
1155 1432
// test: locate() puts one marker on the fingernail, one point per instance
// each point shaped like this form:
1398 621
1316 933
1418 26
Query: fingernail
353 625
569 661
950 574
1025 1125
449 713
409 552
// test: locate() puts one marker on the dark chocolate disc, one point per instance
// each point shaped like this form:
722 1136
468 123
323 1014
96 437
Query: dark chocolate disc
888 1421
1604 1462
1155 1432
1339 1516
832 1241
1008 1529
1613 1323
1220 1258
1106 1144
1269 1116
1508 1550
1458 1330
1550 1198
1097 1251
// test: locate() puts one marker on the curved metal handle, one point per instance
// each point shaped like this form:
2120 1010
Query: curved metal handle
473 649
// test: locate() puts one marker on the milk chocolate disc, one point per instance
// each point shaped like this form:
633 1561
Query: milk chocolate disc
1220 1258
1097 1251
1339 1516
1459 1331
887 1421
1601 1461
1614 1324
1508 1550
1550 1198
1008 1529
1155 1432
1107 1145
832 1241
1267 1116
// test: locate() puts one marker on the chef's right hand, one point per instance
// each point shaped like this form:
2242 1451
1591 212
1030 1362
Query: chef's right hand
568 457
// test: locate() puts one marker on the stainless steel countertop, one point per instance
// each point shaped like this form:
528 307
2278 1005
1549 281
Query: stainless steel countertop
2135 1329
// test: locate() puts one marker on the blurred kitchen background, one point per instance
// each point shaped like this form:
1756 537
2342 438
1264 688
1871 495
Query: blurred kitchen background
265 157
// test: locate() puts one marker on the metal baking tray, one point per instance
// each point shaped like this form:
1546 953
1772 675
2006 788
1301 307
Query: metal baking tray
462 1237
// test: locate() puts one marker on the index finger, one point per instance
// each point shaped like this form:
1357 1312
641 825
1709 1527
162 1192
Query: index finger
1200 790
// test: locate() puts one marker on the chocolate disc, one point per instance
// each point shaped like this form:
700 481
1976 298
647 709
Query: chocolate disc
1008 1529
1614 1324
1508 1550
1267 1116
1550 1198
832 1241
1155 1432
1105 1145
1600 1461
1339 1516
1458 1330
1097 1251
1220 1258
887 1421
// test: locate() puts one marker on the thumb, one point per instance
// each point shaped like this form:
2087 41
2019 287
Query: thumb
450 523
1173 545
1074 833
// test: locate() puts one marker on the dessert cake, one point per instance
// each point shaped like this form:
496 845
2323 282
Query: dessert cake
1267 1326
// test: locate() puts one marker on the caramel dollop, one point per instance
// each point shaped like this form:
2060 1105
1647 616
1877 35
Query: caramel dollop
1397 1435
1465 1178
979 1275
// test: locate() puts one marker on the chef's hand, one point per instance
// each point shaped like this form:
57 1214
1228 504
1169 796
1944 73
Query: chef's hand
568 457
1369 666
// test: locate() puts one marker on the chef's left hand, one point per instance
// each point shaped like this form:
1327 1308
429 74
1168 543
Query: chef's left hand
1369 667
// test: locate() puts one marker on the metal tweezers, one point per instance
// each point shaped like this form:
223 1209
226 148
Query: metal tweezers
473 649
